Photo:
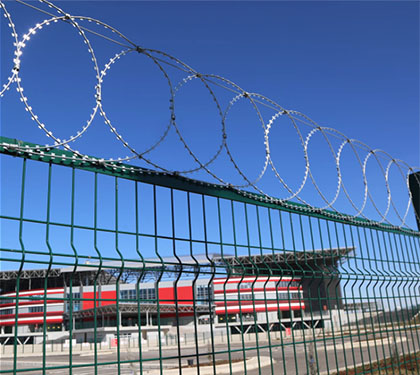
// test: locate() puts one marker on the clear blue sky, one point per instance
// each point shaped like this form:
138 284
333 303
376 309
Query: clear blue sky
350 65
353 66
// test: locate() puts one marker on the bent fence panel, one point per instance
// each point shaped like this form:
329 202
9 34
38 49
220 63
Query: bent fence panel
115 269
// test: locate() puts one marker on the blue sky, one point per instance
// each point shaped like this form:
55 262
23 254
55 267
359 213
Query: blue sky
349 65
353 66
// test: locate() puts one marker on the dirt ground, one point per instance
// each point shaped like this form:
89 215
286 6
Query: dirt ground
404 365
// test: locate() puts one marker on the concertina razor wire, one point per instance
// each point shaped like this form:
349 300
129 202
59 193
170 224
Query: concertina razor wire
160 58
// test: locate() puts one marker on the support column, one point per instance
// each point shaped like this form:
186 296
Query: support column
414 183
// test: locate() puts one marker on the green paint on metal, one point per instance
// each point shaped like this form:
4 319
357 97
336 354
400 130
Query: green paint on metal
126 171
273 287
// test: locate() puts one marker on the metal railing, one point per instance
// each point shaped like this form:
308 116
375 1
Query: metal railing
109 268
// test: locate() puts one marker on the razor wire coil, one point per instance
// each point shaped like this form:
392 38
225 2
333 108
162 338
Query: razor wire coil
162 60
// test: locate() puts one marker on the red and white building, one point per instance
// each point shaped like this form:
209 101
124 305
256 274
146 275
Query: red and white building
33 310
236 303
247 300
244 295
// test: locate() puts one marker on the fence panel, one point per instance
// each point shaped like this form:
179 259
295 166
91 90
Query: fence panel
117 269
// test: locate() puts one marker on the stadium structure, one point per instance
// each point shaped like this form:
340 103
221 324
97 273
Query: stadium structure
239 294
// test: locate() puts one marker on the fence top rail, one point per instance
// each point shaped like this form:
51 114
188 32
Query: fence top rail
18 148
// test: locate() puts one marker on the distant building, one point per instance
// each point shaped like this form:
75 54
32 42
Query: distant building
279 291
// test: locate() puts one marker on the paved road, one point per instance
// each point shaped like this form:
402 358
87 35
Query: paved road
287 358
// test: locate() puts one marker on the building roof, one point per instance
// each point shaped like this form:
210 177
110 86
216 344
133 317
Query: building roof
286 262
287 257
29 274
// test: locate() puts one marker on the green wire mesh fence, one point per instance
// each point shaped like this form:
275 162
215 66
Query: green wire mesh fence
120 270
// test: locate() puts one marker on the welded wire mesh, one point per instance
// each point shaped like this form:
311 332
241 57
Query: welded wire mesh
125 270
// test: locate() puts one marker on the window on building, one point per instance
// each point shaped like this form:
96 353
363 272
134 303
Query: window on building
6 300
54 327
287 284
130 294
76 302
232 318
245 296
147 295
247 317
228 318
36 309
204 294
284 296
36 327
284 314
245 286
142 295
129 321
152 294
6 312
297 313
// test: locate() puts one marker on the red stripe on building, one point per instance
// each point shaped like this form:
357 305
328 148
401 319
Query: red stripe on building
34 292
87 302
167 295
27 315
109 296
248 279
185 294
103 298
272 289
242 303
38 302
33 321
